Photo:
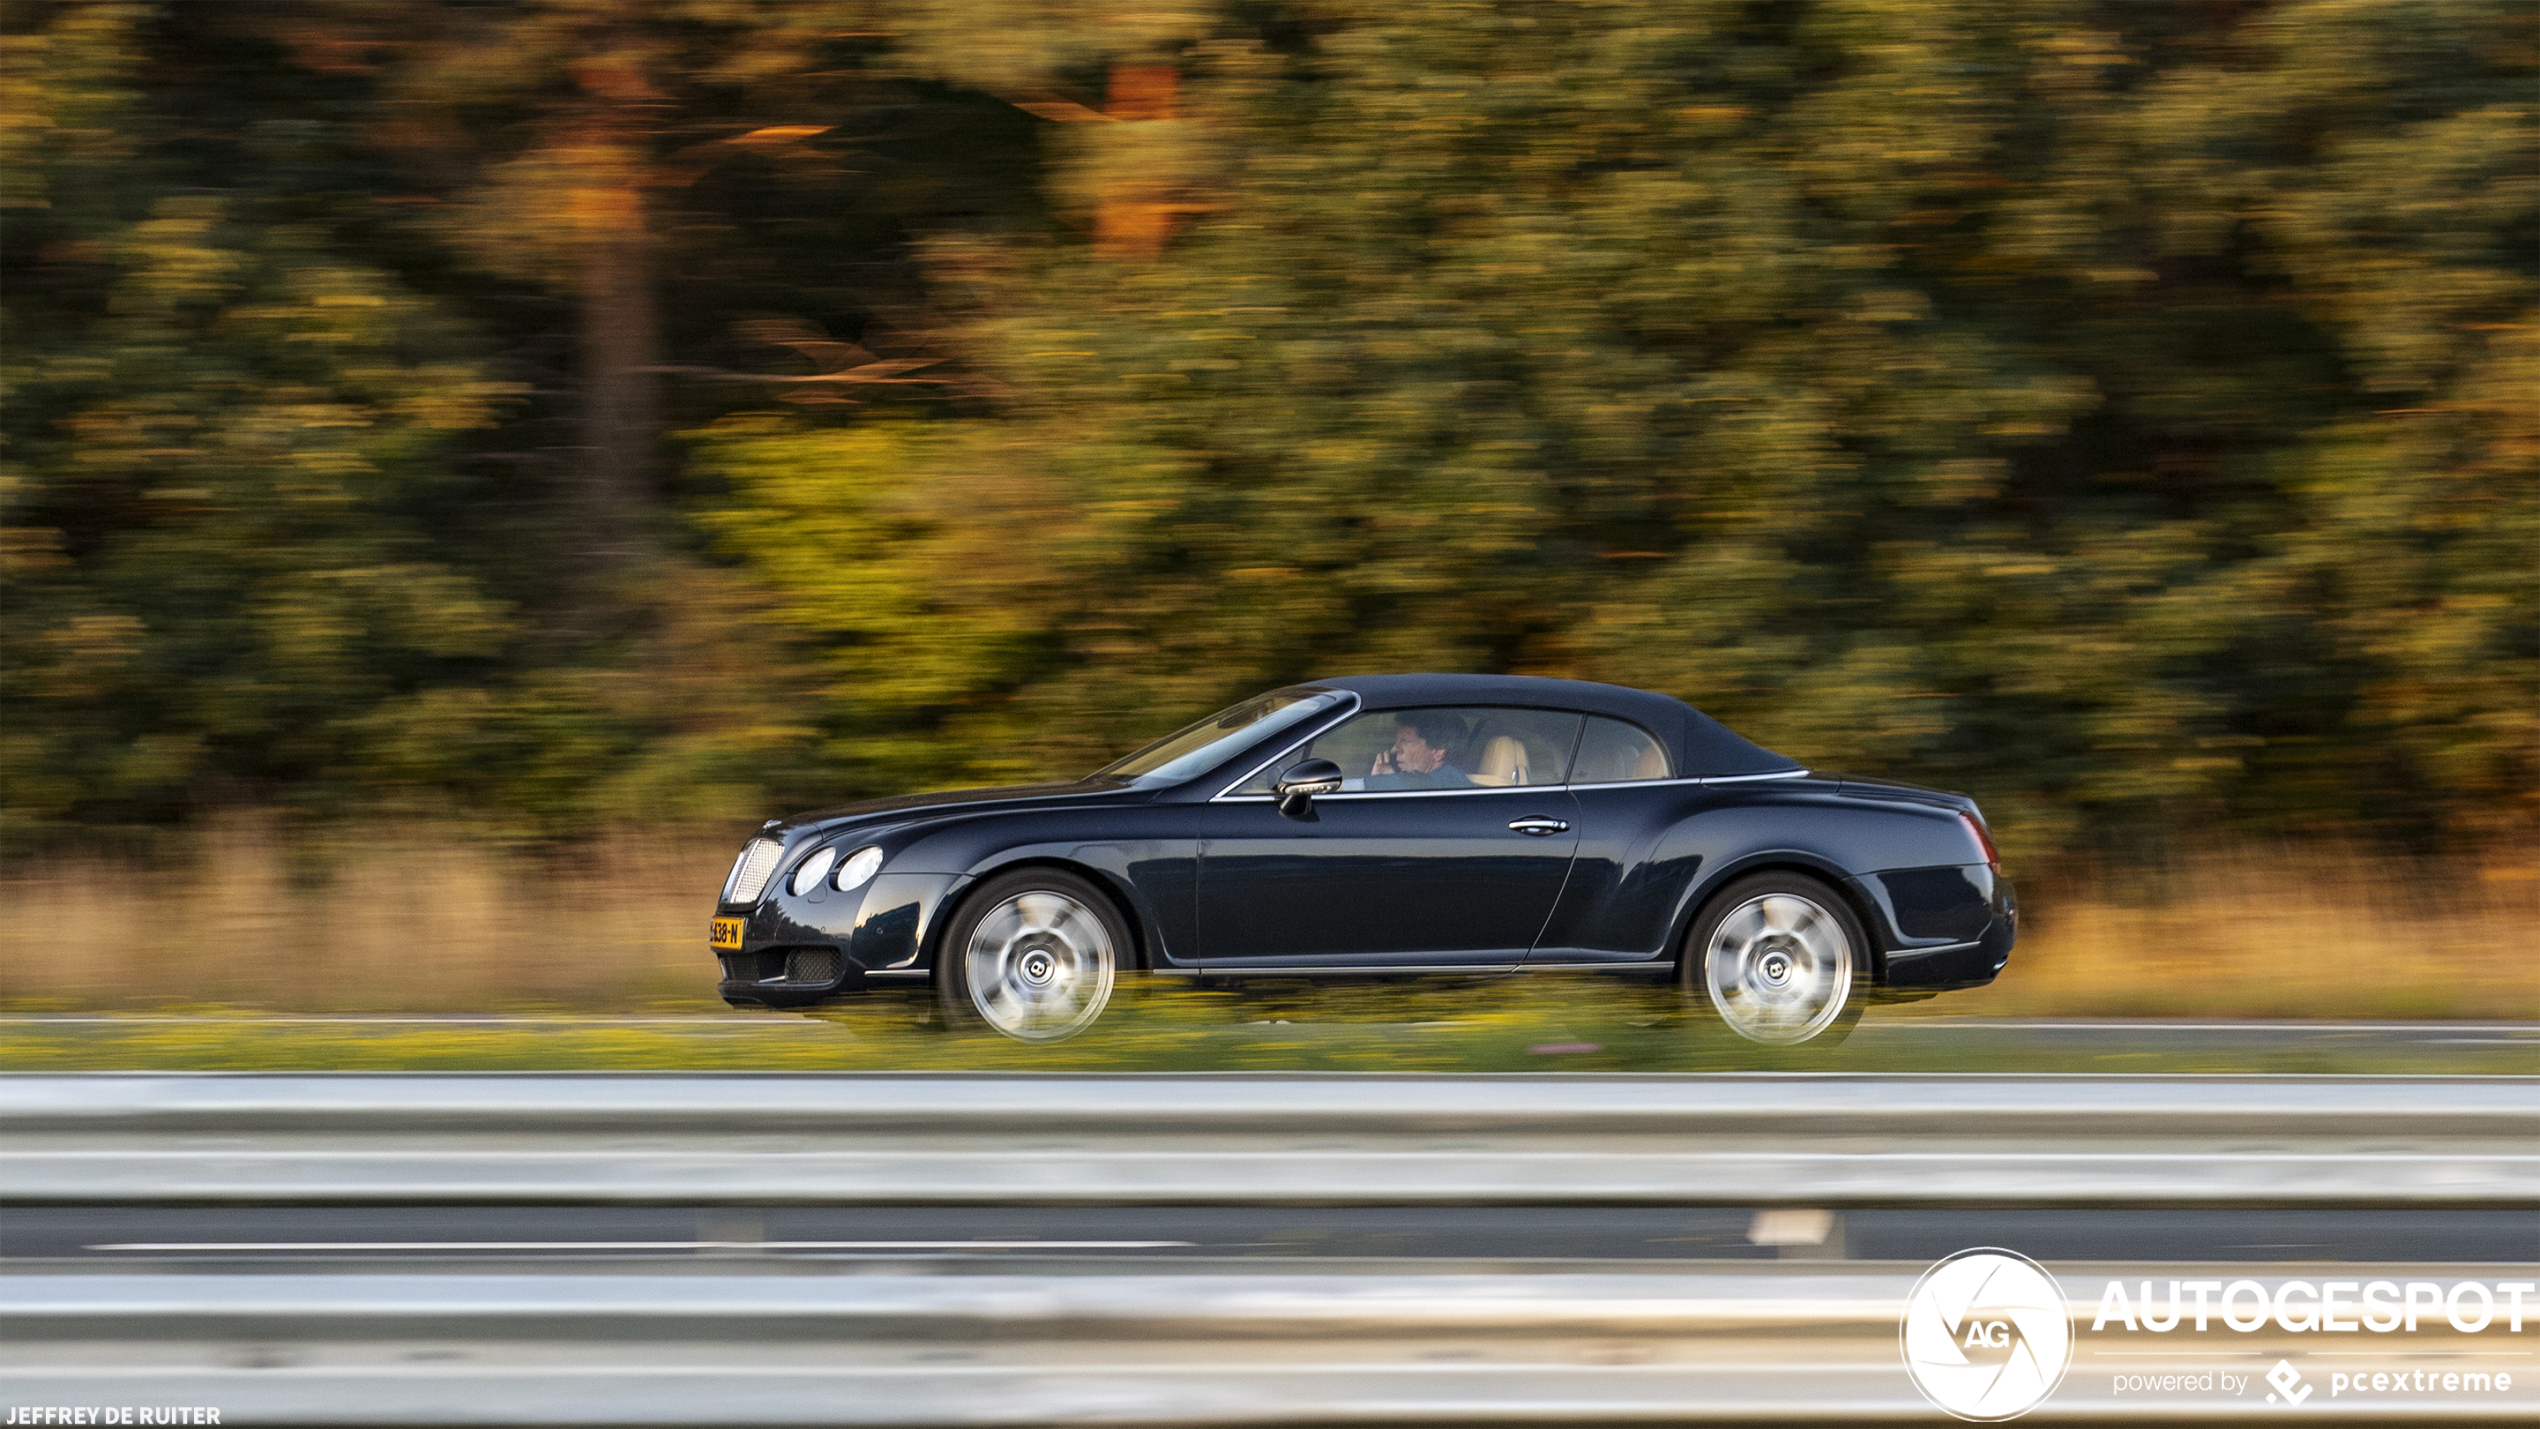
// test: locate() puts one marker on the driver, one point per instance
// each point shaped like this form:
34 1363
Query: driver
1417 757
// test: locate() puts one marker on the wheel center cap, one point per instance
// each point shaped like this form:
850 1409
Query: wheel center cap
1775 969
1038 967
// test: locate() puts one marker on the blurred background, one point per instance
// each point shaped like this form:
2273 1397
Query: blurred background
465 463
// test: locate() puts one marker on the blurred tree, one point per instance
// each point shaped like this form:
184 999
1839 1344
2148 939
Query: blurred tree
401 149
2123 412
217 432
604 111
2008 398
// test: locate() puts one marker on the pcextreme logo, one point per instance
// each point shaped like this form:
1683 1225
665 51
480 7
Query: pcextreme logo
1987 1335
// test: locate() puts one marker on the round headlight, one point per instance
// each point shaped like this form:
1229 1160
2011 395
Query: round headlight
860 865
807 873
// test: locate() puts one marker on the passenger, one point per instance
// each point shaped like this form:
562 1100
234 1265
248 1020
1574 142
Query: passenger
1417 757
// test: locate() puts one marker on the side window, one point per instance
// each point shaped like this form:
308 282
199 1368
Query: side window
1611 751
1465 747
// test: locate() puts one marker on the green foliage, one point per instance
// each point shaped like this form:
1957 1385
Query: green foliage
211 421
2125 420
2124 413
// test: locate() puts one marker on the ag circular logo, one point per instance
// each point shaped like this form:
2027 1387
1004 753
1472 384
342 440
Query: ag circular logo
1987 1335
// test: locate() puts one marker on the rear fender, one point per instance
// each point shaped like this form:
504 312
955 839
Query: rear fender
1874 918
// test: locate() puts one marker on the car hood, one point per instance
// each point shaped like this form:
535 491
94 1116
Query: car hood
899 807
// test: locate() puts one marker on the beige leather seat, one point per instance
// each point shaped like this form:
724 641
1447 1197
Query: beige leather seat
1503 762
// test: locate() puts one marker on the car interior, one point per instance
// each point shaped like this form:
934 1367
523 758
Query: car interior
1498 748
1611 751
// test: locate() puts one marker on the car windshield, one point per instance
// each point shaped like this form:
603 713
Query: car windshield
1202 746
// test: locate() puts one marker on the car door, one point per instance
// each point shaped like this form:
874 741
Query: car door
1456 866
1630 867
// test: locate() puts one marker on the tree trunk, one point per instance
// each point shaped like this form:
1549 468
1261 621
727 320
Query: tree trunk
1135 219
620 345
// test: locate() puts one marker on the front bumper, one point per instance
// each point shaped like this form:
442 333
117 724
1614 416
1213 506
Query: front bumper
787 977
797 951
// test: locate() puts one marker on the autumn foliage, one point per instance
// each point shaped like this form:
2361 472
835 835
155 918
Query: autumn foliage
569 413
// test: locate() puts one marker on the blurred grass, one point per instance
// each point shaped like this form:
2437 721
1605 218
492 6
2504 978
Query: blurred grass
398 920
2276 931
249 933
1548 1023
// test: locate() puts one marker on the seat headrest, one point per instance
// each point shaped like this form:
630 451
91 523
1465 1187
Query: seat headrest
1503 762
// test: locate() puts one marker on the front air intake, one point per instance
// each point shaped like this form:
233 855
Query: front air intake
750 872
814 965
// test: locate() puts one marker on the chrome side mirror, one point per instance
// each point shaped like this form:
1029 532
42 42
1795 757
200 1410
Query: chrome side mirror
1296 788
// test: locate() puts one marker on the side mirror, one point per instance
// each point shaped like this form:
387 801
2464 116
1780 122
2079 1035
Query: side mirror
1296 788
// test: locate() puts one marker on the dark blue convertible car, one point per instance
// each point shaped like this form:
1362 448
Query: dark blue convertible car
1387 824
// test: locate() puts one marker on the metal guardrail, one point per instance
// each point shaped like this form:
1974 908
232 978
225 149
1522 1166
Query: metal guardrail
1728 1139
1780 1343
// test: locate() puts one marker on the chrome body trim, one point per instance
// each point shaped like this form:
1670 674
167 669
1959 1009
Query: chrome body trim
1753 778
1894 954
1535 789
1236 969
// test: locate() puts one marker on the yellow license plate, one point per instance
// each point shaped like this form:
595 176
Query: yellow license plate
727 933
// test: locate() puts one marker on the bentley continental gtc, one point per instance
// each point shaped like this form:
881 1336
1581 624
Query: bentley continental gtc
1387 825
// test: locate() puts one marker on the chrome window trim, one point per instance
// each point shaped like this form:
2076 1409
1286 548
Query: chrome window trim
1346 711
1694 779
1234 798
1395 793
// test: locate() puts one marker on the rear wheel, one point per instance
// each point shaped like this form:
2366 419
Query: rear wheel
1031 955
1781 959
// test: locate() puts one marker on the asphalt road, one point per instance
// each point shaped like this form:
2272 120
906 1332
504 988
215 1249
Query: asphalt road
955 1238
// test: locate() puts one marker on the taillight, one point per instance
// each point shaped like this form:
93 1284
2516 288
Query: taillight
1984 839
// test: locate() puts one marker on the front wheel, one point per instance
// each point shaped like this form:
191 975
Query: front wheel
1032 955
1780 958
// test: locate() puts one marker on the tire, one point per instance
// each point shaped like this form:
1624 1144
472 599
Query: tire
1031 955
1781 959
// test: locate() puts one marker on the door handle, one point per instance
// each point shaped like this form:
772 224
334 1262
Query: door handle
1538 826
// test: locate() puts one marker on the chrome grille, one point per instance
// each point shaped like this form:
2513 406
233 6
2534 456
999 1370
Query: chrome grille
750 872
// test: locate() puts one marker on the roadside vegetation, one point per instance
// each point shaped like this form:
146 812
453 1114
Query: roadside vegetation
1543 1024
565 416
463 464
415 923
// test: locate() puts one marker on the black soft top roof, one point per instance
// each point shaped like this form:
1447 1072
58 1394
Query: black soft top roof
1700 746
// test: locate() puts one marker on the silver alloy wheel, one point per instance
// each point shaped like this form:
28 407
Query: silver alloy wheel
1778 968
1039 966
